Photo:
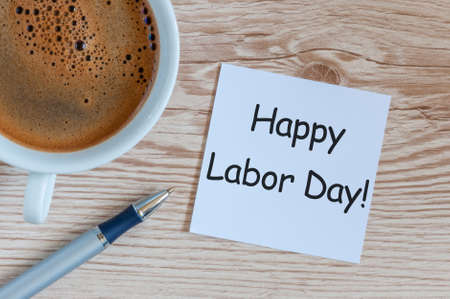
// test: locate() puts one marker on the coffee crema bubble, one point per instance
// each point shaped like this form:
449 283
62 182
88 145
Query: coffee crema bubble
74 72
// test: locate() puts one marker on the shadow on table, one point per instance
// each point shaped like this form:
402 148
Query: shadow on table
188 218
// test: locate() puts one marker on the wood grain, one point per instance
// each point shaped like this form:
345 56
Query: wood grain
397 47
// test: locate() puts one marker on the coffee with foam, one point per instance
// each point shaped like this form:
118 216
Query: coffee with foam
73 72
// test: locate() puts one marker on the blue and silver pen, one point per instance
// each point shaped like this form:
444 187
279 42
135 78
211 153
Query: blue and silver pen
81 249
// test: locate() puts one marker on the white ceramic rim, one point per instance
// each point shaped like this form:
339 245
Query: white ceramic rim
36 161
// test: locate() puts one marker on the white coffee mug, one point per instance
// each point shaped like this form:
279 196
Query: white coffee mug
44 166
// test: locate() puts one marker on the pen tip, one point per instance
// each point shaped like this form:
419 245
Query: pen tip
170 190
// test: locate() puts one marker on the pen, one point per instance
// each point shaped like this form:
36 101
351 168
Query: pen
81 249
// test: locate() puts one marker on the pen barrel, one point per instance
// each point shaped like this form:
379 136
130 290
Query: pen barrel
55 266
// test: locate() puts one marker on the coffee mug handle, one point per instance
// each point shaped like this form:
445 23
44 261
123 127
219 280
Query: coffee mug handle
38 196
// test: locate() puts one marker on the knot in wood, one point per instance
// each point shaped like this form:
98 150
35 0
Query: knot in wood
321 72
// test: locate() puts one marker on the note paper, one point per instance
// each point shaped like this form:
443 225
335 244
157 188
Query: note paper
290 163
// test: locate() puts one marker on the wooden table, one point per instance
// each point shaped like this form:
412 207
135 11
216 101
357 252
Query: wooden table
401 48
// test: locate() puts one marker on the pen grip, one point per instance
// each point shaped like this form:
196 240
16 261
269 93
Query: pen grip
55 266
119 224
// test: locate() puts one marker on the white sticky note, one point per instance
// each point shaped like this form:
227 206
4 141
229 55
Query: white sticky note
290 163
